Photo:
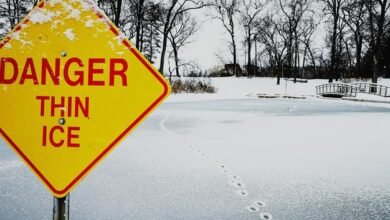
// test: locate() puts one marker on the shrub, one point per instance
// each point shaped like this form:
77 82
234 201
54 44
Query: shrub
193 85
218 71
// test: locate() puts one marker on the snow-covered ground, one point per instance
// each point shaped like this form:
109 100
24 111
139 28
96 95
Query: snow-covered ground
238 88
231 156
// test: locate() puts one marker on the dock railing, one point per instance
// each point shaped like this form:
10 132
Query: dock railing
337 90
373 88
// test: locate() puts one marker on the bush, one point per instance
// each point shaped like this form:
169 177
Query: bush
218 71
193 85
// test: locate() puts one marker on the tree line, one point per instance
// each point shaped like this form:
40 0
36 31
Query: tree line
357 42
278 35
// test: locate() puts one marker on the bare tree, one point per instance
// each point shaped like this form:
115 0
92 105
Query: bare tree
113 9
271 34
189 67
308 29
333 9
355 16
226 11
149 37
120 12
12 12
180 35
139 18
250 11
377 10
343 59
293 12
173 9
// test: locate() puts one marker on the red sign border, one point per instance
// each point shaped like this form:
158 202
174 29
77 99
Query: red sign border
115 31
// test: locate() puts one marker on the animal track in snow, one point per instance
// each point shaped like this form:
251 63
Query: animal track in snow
265 216
253 209
242 192
259 204
236 183
256 206
233 180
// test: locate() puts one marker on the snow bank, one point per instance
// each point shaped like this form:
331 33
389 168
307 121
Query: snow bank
238 88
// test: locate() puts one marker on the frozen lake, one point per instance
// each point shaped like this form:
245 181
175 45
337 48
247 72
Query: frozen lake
229 159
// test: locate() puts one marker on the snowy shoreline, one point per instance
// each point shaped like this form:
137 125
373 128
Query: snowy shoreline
249 88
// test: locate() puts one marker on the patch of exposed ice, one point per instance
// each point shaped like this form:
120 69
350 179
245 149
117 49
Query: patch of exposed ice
75 14
69 34
89 23
54 2
8 46
111 44
88 5
55 24
41 16
16 36
67 6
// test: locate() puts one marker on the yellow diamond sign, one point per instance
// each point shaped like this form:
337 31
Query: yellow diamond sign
71 88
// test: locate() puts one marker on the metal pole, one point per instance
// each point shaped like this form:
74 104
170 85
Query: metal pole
61 208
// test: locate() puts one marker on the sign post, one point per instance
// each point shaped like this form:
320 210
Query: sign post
61 208
72 87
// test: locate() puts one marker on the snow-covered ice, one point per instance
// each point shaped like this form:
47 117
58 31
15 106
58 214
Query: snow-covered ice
294 159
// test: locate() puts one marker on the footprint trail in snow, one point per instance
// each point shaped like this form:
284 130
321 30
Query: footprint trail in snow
234 181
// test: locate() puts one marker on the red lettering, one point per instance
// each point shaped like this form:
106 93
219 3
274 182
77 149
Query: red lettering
42 99
96 73
70 105
60 106
67 106
84 108
15 71
47 69
118 72
79 73
51 136
44 135
29 72
72 136
55 137
92 71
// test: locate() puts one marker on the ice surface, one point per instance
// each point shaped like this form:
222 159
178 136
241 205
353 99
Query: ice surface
324 160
